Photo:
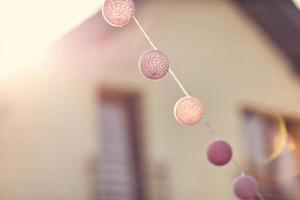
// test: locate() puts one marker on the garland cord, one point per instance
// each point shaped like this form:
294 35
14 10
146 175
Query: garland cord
207 124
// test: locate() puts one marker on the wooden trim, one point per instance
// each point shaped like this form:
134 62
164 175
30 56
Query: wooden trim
132 102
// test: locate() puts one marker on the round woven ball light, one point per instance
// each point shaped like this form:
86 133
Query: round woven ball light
245 187
154 64
219 152
118 13
188 110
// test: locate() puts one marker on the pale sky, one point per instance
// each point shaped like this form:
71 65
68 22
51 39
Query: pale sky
29 26
297 2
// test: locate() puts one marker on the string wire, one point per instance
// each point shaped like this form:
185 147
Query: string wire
206 122
260 196
144 32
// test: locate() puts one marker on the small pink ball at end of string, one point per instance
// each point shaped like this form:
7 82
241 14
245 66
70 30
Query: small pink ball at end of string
245 187
154 64
118 13
219 152
188 111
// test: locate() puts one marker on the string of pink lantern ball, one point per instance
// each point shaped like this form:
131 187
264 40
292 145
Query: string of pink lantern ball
188 110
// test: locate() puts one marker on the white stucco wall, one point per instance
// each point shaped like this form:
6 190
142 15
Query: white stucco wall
226 61
48 134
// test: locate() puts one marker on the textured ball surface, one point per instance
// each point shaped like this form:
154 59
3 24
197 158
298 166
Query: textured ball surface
154 64
188 111
245 187
219 153
118 13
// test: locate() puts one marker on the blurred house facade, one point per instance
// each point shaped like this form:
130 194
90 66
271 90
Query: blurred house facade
50 130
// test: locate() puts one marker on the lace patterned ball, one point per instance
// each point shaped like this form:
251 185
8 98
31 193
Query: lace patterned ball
245 187
188 111
118 13
154 64
219 152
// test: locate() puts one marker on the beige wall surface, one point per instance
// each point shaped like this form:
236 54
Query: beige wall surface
225 60
48 133
47 137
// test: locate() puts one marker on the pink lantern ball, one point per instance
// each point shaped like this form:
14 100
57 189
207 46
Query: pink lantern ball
219 152
188 111
154 64
118 13
245 187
